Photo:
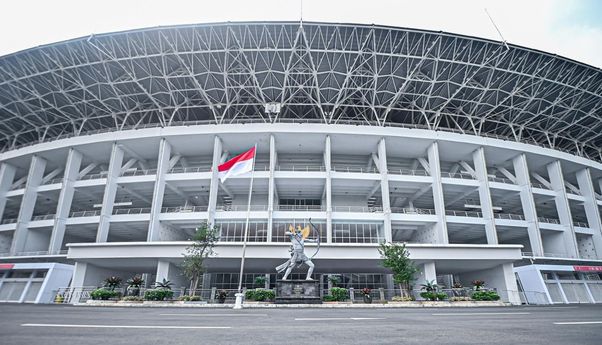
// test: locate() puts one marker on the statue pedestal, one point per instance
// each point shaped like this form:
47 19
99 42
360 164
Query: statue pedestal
298 292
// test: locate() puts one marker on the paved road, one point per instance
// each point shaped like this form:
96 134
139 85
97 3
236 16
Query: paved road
65 325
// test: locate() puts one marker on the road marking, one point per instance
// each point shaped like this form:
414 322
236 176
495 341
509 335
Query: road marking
214 315
119 326
578 323
550 307
338 318
474 314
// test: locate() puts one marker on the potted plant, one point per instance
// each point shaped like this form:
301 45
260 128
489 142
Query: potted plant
134 285
112 282
366 295
221 296
478 284
164 284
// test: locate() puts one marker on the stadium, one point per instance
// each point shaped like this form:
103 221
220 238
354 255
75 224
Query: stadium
484 158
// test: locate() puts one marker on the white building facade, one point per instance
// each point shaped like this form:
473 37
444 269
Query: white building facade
377 144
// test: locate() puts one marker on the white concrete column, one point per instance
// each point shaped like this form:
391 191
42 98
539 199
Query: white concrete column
168 271
7 175
480 167
34 179
214 189
563 208
384 188
586 185
74 160
426 272
108 198
154 225
328 186
521 170
435 165
271 188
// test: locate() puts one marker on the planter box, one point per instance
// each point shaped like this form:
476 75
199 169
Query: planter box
100 302
190 302
159 302
129 302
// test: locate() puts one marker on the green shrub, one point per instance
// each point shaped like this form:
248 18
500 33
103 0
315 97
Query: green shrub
339 294
157 294
103 294
260 295
485 296
328 298
441 296
187 298
428 295
132 299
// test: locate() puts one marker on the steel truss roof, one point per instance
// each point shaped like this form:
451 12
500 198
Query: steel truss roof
316 72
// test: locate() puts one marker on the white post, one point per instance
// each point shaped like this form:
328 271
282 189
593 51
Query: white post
154 225
435 165
271 188
108 199
328 186
480 166
7 175
384 188
521 170
240 295
214 188
563 208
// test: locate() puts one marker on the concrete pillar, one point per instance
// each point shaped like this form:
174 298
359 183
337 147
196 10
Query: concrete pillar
384 188
169 271
328 186
480 167
586 185
74 160
427 272
435 165
521 170
271 188
108 198
34 178
214 189
7 175
563 208
154 225
500 277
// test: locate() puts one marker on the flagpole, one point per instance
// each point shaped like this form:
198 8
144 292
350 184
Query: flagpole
239 296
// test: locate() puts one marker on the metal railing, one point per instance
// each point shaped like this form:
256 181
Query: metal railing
183 209
538 185
93 176
241 208
412 210
357 209
462 176
408 172
202 168
354 169
509 216
500 179
54 180
90 213
9 221
300 208
464 213
548 220
292 167
139 172
139 210
43 217
581 224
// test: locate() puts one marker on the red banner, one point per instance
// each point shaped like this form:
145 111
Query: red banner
6 266
588 268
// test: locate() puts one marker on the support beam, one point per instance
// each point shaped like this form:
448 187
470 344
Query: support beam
480 172
85 171
384 188
271 187
72 166
508 174
51 175
28 202
154 225
425 164
468 168
375 160
541 180
584 179
214 189
140 159
563 208
528 202
328 187
108 199
434 163
130 163
7 175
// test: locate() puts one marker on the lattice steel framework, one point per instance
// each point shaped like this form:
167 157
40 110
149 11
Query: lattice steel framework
315 72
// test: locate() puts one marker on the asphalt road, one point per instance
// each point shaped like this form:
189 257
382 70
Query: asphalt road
65 325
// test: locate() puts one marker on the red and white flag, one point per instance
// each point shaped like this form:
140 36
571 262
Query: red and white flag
243 163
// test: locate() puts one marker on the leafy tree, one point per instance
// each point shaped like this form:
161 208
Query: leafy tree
193 266
397 259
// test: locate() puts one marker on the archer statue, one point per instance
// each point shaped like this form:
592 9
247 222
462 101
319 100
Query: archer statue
298 238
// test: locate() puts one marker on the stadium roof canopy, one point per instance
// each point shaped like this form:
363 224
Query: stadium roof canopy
287 72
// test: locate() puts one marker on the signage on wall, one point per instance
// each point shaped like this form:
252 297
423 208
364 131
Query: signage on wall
588 268
6 266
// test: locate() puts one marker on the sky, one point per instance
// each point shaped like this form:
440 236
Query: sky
570 28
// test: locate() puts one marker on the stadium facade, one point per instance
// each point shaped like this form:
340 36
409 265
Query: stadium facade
484 159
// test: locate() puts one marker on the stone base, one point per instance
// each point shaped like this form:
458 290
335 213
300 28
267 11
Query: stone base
298 292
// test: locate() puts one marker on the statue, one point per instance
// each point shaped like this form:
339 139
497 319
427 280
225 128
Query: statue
298 257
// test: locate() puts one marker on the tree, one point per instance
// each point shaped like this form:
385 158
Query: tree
193 266
397 259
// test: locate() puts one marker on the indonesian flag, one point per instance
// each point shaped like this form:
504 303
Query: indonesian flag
243 163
